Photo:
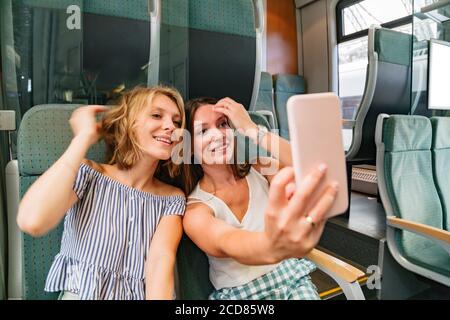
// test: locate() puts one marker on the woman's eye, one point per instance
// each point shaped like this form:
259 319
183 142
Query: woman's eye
156 116
224 125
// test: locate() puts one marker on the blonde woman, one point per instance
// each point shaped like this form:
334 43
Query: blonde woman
122 224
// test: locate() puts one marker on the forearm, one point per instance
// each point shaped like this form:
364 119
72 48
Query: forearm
278 147
159 280
247 247
46 201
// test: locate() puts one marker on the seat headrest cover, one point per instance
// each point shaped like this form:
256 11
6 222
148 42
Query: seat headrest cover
441 132
266 82
44 134
290 83
393 46
407 133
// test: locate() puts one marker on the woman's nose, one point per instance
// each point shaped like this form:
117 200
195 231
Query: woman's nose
216 134
169 125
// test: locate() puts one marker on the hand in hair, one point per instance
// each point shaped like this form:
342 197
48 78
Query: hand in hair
237 114
294 220
84 124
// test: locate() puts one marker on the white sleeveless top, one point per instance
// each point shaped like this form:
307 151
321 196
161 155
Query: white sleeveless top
227 272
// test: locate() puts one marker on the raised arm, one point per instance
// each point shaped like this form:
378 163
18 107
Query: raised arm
288 228
48 199
278 147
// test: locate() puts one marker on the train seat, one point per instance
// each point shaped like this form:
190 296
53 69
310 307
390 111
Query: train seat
43 136
415 219
441 165
264 103
387 89
193 272
285 86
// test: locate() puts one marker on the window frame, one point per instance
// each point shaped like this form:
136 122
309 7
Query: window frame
343 4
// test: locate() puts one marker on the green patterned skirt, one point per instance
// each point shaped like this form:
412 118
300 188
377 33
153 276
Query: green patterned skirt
290 280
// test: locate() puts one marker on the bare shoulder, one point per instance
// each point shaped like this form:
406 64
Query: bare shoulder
94 165
197 217
198 207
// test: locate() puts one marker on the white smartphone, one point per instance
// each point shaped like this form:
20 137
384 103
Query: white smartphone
315 130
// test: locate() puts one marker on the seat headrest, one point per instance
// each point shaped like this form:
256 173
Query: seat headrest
266 82
393 46
407 133
441 132
290 83
44 134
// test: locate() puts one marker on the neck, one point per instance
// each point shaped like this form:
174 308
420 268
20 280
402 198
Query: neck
220 175
141 175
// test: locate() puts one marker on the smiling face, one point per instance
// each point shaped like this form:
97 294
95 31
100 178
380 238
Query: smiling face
155 125
213 141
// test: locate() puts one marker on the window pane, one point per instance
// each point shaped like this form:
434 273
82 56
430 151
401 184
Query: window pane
352 74
72 51
362 15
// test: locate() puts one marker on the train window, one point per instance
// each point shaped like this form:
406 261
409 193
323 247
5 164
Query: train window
353 19
72 51
360 15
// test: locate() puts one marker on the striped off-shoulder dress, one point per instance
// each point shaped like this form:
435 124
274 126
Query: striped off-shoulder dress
106 237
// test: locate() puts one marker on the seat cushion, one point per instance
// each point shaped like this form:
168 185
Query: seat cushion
193 271
44 134
411 189
37 256
441 163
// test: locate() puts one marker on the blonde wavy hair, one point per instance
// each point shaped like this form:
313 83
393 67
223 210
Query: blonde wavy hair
118 127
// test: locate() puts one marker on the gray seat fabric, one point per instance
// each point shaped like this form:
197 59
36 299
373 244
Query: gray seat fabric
285 86
387 90
44 134
265 100
441 163
411 190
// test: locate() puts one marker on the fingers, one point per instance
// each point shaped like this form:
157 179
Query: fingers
98 108
324 204
301 198
222 109
290 190
277 191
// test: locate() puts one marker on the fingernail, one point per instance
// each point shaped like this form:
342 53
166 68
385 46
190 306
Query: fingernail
322 167
335 185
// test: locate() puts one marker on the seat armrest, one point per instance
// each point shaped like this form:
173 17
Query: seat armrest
271 117
327 263
440 235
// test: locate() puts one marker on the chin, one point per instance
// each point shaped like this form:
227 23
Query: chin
159 154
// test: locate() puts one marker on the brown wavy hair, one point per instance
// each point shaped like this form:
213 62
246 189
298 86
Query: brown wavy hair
118 127
192 173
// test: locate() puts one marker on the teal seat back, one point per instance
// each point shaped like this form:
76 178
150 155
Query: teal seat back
441 163
264 100
193 271
285 86
44 134
410 187
388 90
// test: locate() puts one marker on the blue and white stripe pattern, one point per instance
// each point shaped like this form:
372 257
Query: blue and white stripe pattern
107 234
